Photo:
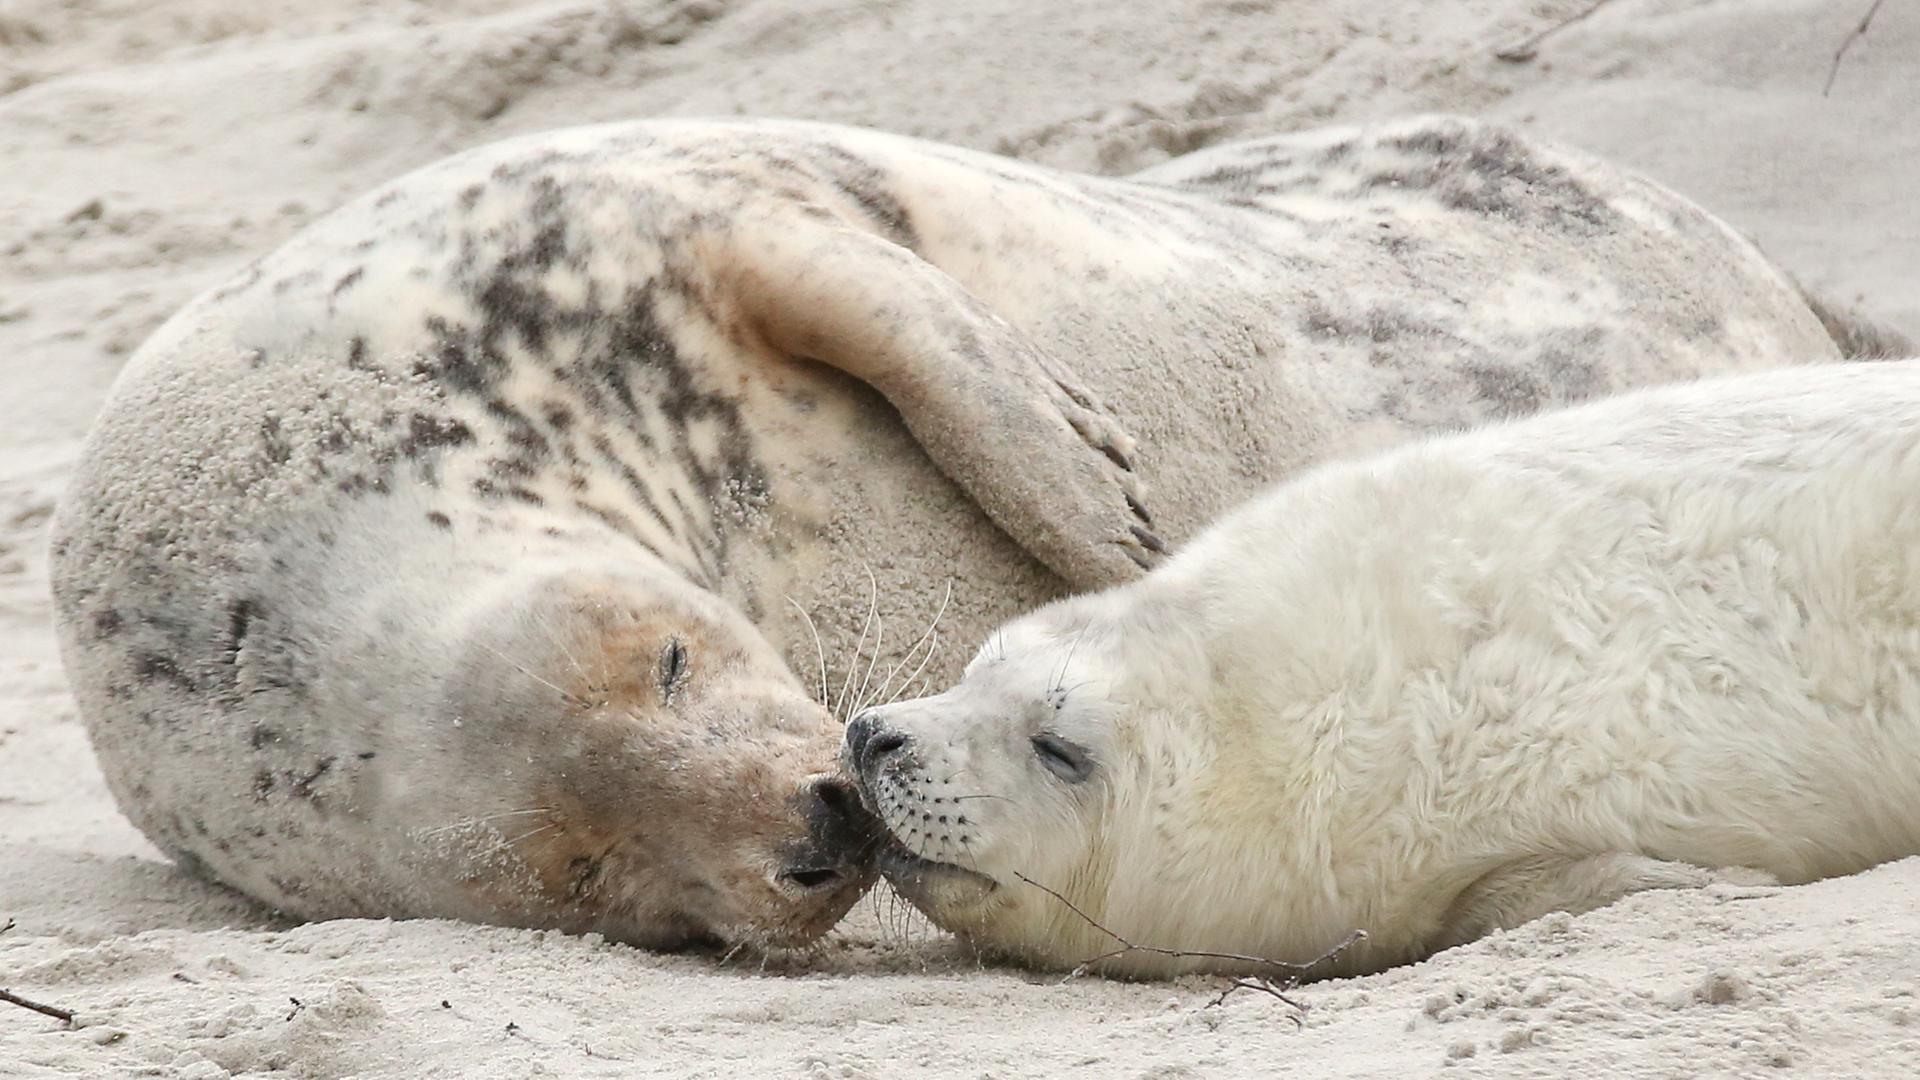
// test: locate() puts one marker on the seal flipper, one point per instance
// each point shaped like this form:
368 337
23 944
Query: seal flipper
1038 454
1528 888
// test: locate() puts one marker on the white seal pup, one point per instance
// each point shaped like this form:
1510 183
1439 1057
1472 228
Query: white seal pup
1651 642
438 563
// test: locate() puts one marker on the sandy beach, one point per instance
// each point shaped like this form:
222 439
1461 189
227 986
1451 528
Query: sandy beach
147 150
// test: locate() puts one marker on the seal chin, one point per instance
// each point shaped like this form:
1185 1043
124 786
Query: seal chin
933 887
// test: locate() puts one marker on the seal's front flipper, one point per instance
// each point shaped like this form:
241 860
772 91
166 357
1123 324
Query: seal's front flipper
1047 463
1526 889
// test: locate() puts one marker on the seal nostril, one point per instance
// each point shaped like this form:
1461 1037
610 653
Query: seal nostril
837 820
884 743
867 741
812 878
859 730
838 798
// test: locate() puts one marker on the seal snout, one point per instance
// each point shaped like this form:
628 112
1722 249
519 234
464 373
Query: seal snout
841 838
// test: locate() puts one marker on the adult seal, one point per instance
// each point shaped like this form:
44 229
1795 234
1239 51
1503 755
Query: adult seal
1652 642
451 559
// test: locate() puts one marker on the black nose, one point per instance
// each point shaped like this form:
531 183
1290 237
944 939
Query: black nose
869 741
841 836
835 817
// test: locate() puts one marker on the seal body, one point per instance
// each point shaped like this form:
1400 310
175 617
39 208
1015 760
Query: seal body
450 560
1657 641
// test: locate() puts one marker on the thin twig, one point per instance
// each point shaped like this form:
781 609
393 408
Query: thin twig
1265 985
1840 53
45 1010
1528 49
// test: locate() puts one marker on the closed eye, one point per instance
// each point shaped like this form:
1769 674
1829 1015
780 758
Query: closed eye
1063 759
673 667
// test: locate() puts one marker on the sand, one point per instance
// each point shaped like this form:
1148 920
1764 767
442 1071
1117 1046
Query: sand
147 149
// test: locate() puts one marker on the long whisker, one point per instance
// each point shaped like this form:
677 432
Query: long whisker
472 821
1061 675
879 639
932 651
569 696
931 634
873 605
818 649
554 637
504 844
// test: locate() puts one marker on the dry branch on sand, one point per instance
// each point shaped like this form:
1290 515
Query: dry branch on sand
46 1010
1265 984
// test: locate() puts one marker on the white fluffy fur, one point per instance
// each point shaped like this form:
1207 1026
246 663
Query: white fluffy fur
1635 644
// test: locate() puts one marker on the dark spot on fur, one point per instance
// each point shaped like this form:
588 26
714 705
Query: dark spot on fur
246 279
261 735
337 437
278 449
1493 173
510 468
302 786
1431 142
1566 360
359 484
1238 175
526 438
867 189
240 616
348 280
1376 325
106 623
619 523
1398 245
439 519
1512 391
426 433
154 667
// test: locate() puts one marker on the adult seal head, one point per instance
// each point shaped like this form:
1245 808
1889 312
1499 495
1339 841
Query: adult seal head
1658 641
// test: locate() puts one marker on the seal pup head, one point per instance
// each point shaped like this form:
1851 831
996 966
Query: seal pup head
652 770
1049 766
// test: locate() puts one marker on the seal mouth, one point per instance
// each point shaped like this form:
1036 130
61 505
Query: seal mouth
915 877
